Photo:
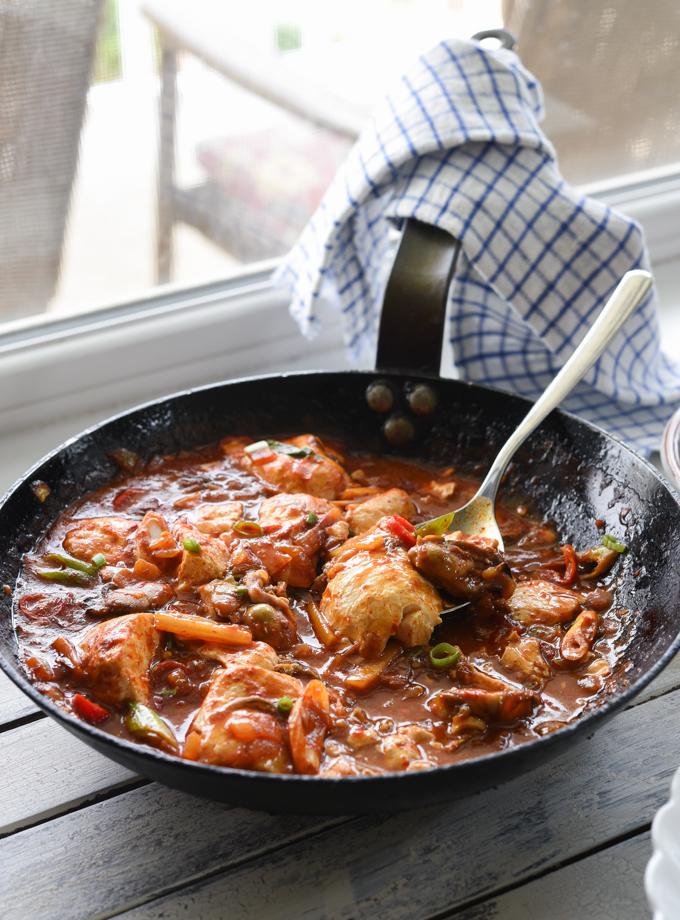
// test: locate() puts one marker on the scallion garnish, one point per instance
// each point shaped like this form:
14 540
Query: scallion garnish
444 655
284 705
292 450
312 518
99 560
241 592
248 529
612 543
166 691
191 545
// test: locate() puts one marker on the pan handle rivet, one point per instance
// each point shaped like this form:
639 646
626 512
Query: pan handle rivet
379 397
422 400
398 431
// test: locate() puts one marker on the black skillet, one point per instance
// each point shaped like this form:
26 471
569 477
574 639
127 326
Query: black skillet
571 471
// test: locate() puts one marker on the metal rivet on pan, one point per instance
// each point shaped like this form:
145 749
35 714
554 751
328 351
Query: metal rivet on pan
422 400
398 431
379 397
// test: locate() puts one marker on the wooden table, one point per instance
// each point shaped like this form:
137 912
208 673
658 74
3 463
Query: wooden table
85 838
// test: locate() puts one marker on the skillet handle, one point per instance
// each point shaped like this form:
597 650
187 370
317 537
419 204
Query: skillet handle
414 310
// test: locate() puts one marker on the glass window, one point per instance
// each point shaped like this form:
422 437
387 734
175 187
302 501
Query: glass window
260 102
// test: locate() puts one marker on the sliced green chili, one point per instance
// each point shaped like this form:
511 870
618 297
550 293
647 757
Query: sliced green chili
248 529
145 724
89 568
444 655
284 705
65 577
191 545
612 543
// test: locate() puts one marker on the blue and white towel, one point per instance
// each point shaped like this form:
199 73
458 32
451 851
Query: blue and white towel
457 144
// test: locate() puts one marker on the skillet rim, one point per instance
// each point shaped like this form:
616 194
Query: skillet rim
117 748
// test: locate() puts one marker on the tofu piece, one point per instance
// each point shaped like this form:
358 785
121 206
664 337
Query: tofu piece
217 518
247 737
373 595
538 601
109 536
199 568
284 517
117 655
316 474
363 516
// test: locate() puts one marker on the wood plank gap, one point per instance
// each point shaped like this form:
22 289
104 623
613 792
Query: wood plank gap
22 720
333 824
111 793
495 893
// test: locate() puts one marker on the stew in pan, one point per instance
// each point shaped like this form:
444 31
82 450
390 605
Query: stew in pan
271 606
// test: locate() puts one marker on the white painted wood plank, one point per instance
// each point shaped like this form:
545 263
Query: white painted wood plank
606 886
14 704
401 867
145 841
42 755
46 771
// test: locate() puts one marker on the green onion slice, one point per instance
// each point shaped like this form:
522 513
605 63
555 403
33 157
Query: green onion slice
64 577
169 643
612 543
241 592
444 655
258 445
284 705
248 529
312 518
145 724
99 560
166 691
191 545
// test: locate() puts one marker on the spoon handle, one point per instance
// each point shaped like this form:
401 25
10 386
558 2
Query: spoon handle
628 295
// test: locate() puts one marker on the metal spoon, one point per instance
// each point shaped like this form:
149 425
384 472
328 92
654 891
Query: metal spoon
478 516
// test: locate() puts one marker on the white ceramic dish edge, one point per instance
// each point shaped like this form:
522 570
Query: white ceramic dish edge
662 877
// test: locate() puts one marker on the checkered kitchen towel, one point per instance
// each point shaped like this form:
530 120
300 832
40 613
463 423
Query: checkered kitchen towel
457 144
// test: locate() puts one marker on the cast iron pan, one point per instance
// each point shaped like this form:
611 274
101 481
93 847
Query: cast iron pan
571 471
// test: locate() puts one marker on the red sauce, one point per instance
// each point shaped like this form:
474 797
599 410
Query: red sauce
397 721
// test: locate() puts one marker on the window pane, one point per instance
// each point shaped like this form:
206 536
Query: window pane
610 74
80 82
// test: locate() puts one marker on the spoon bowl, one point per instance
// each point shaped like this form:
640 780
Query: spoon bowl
478 516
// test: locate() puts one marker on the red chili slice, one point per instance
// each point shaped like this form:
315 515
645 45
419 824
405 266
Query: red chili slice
126 498
402 528
88 710
570 565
